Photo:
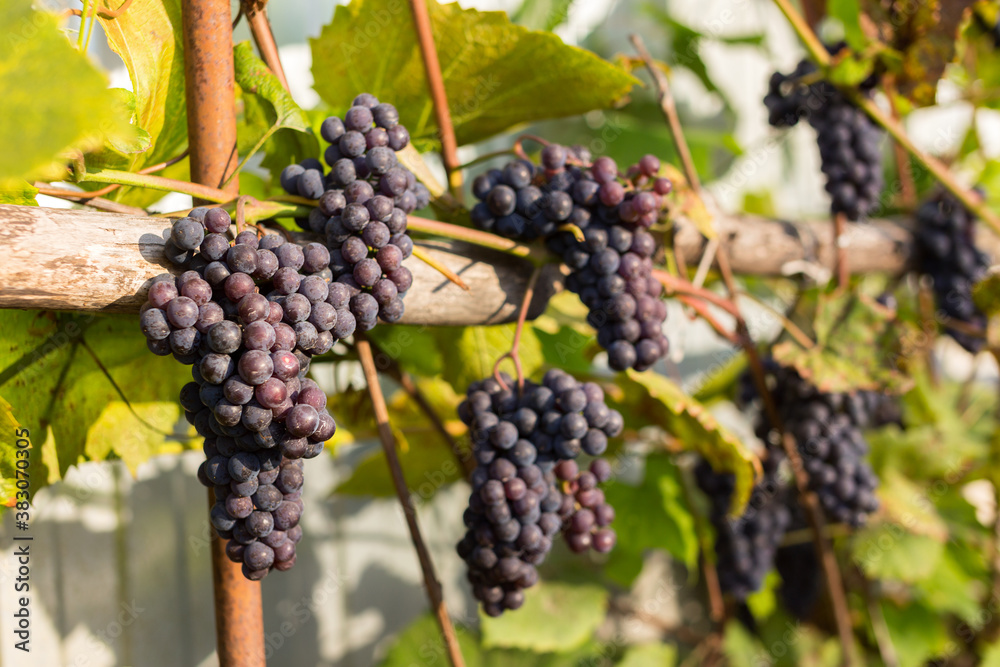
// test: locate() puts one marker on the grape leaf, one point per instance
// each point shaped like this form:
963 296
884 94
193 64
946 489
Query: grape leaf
50 376
497 74
20 193
856 345
542 14
652 515
556 616
52 98
148 39
649 655
918 633
9 456
469 353
422 641
118 430
848 12
665 404
271 118
887 550
413 347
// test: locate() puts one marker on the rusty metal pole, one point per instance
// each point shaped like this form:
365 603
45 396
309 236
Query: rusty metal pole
208 69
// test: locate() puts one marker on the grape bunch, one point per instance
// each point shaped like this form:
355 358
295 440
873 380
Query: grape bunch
585 515
248 320
516 507
946 251
611 267
745 546
849 142
828 429
801 573
363 201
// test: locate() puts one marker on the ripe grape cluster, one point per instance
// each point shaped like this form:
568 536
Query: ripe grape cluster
828 429
849 142
585 514
745 546
945 240
363 201
248 316
526 487
611 266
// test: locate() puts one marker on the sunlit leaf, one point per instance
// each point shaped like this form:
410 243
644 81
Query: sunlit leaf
53 98
556 616
497 74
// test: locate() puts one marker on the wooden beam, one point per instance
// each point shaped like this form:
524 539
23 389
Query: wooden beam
60 259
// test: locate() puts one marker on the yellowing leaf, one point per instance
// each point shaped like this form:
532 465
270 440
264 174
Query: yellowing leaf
666 405
52 99
133 439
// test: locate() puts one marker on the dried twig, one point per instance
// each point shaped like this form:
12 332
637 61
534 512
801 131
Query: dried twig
435 81
431 582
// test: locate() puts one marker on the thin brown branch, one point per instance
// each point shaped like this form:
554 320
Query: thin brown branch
263 37
431 582
840 267
702 311
435 81
104 13
907 186
522 316
880 629
670 111
419 253
98 203
681 286
466 462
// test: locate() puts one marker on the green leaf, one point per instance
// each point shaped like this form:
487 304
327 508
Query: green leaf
556 616
653 515
951 589
650 655
148 39
918 633
667 406
49 375
741 647
271 118
421 641
413 347
719 380
889 551
20 193
52 98
848 12
497 74
856 345
566 349
542 14
468 353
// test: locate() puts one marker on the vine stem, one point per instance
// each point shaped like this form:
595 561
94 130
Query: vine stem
907 186
793 329
522 316
196 190
435 81
424 257
670 111
702 311
817 51
681 286
431 582
465 462
260 27
84 195
474 236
